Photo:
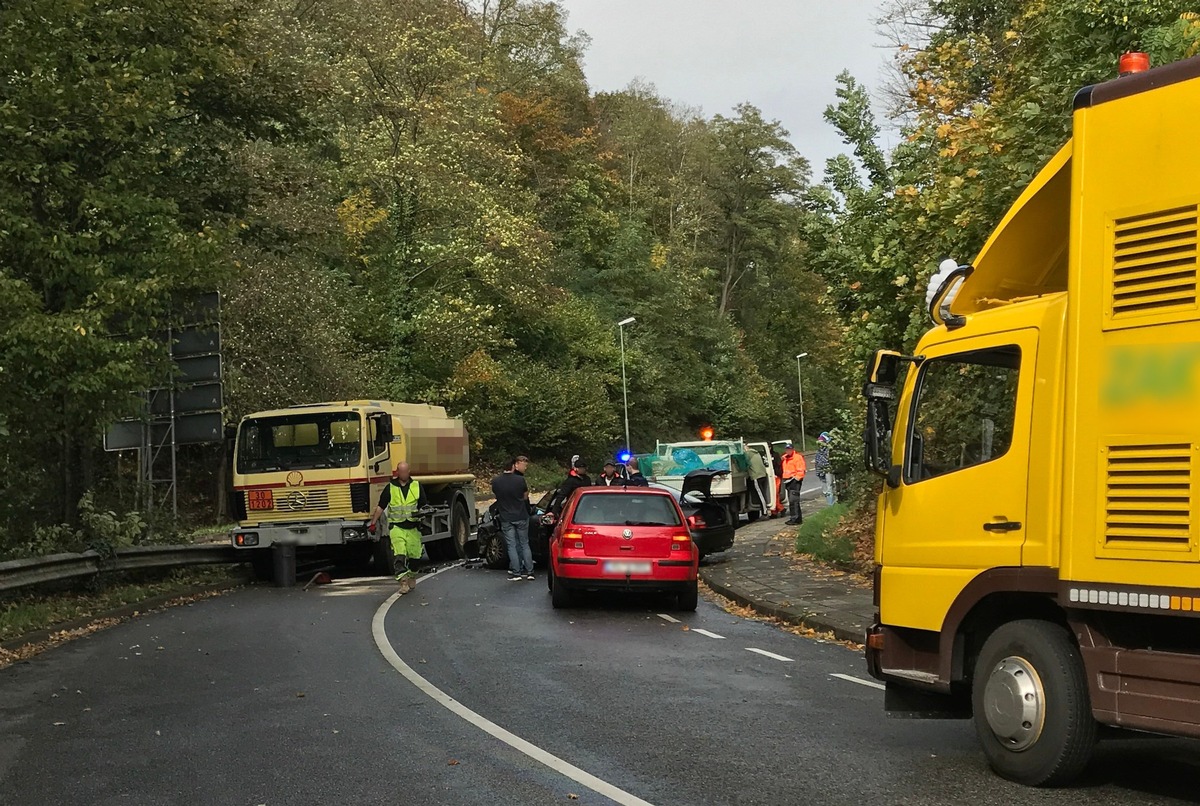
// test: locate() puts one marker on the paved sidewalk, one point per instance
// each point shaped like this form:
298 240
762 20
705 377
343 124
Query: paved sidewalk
757 573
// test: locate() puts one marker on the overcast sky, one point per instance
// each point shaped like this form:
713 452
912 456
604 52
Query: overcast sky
780 55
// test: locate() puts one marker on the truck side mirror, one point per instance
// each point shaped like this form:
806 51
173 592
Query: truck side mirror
877 438
385 428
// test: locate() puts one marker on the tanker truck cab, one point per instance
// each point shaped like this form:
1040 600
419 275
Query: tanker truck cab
1038 530
308 477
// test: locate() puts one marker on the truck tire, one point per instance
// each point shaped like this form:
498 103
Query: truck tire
1030 703
460 529
382 556
260 561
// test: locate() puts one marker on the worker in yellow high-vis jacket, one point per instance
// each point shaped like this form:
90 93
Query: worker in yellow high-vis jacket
402 498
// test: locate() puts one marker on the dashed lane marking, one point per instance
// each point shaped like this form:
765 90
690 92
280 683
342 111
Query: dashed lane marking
706 632
852 679
769 654
671 619
487 726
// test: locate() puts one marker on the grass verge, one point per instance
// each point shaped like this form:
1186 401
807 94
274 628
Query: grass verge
29 613
817 537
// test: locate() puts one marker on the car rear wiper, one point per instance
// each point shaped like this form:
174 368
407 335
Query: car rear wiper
646 523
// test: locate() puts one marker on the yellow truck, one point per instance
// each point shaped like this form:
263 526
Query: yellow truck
308 477
1037 542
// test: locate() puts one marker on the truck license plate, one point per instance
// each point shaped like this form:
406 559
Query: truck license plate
626 568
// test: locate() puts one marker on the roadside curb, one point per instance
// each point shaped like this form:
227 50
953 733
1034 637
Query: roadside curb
813 621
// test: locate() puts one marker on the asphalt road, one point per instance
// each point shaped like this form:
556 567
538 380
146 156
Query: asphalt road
269 696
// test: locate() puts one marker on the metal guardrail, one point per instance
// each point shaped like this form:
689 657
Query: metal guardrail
17 574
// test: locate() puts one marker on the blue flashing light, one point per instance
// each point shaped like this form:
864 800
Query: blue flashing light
624 456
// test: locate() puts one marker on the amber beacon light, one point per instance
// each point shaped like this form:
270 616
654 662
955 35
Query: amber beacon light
1134 63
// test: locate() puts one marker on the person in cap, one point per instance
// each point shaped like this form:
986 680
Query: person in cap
576 477
609 477
824 468
794 469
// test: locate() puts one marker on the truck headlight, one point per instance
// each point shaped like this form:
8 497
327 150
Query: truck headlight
245 539
353 533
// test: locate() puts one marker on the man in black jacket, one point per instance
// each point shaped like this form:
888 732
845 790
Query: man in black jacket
576 477
636 479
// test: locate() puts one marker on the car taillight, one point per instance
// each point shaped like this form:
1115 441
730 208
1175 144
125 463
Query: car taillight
696 522
681 543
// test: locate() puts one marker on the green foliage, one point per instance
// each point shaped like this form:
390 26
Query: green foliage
98 530
816 539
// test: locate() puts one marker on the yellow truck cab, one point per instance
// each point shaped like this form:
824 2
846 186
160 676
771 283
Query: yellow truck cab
309 477
1037 540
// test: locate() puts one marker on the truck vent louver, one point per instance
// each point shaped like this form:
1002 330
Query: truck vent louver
1149 497
1154 263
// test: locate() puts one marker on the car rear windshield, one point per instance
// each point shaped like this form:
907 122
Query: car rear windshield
626 509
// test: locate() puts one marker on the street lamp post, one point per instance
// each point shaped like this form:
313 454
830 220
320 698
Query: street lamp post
800 387
624 386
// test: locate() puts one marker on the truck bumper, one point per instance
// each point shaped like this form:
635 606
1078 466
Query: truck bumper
322 533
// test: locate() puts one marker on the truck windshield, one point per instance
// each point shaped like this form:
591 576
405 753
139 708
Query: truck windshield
299 442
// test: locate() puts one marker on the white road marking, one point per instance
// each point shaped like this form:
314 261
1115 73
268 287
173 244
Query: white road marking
768 654
487 726
852 679
706 632
671 619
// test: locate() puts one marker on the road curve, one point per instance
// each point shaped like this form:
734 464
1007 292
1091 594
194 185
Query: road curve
269 696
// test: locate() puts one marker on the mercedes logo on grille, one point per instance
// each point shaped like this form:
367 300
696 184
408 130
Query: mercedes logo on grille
296 500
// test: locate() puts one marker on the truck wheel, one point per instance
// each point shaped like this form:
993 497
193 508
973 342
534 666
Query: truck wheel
752 515
560 595
382 556
460 529
1030 702
260 561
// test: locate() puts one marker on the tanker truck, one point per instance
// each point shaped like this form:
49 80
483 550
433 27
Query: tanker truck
308 477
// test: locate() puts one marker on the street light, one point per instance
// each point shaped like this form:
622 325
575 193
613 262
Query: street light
800 386
624 386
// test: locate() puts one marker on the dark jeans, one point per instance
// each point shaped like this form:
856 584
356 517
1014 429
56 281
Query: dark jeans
793 491
516 539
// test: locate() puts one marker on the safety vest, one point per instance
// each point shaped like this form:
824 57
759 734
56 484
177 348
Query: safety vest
402 508
795 466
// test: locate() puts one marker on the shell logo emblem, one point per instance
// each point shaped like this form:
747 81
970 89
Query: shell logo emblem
295 478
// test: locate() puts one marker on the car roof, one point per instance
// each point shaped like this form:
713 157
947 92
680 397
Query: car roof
622 490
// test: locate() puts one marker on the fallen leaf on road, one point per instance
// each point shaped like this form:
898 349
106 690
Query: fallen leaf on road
59 724
686 628
572 796
299 693
453 762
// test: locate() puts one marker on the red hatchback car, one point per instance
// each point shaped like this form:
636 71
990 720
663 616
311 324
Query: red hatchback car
623 538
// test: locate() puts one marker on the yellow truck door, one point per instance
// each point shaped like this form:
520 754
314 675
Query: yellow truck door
960 506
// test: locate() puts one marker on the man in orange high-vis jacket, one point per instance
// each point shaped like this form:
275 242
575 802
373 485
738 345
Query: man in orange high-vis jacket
794 469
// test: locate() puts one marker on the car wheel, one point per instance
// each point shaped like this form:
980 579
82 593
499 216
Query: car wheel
690 598
1029 698
560 595
495 553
